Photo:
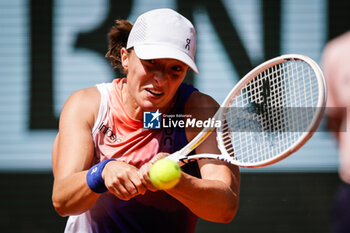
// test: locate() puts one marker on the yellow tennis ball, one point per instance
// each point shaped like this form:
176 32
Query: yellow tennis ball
165 174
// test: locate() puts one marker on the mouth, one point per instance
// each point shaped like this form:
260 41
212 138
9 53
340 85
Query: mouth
155 92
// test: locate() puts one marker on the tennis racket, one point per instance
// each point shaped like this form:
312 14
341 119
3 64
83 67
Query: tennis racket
268 115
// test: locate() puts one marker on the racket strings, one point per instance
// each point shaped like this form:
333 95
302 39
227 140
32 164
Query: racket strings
227 141
271 112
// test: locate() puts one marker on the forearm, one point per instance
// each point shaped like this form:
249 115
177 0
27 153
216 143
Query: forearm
212 200
71 195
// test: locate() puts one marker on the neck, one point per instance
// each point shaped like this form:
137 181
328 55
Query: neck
131 107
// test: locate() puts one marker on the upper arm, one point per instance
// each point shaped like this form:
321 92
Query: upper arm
73 147
201 106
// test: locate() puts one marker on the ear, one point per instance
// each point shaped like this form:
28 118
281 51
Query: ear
124 55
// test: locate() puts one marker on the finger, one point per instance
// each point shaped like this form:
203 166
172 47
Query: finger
146 179
144 173
122 187
120 192
137 182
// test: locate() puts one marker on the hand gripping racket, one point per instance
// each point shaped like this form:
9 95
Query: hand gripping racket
268 115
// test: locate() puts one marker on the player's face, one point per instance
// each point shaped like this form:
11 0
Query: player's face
152 84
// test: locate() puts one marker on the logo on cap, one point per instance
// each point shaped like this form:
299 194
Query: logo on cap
188 41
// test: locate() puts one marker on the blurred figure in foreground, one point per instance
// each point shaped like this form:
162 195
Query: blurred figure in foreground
336 67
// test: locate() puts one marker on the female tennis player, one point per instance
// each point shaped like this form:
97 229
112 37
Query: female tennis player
102 154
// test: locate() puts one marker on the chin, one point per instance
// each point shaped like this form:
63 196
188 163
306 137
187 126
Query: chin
150 107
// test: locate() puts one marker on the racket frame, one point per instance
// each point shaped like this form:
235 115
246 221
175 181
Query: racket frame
182 157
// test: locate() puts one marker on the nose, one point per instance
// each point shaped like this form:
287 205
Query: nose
160 77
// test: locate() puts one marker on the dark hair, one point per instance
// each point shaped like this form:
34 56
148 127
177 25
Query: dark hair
117 39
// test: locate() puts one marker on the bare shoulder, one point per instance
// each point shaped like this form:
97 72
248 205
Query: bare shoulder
83 104
336 48
86 94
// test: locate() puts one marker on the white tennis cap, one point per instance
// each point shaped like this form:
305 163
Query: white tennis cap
164 33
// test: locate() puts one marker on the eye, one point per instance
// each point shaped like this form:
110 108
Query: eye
177 68
149 62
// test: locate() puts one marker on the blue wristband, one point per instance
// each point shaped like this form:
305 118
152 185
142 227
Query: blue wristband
94 177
